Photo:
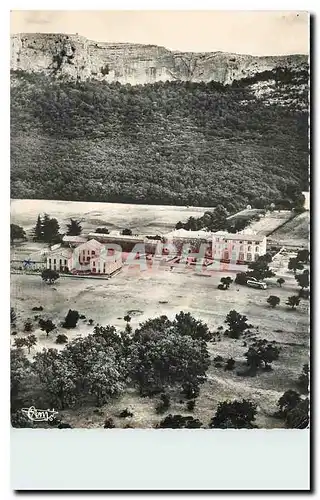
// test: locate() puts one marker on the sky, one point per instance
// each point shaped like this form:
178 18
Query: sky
242 32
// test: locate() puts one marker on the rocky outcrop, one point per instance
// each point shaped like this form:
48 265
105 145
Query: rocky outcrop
75 57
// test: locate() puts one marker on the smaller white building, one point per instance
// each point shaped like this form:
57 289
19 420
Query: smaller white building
60 260
238 247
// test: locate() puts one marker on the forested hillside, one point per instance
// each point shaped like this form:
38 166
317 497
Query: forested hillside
164 143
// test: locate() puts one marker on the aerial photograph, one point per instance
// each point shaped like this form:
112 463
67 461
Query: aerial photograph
160 220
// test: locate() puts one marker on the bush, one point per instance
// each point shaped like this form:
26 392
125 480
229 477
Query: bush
28 327
230 364
125 413
64 425
40 308
234 415
164 403
61 339
179 422
303 381
109 423
71 319
191 404
218 359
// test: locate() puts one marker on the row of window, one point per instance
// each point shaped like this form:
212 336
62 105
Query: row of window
60 261
241 249
92 252
225 240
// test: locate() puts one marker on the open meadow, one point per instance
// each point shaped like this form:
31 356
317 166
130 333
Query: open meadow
149 294
141 219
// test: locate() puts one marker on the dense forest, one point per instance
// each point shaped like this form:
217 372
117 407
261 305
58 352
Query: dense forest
177 143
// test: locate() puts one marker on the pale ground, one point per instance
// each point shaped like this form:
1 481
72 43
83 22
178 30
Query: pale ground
152 293
142 219
295 233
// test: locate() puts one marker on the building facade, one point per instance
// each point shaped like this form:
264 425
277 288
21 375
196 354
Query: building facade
89 257
239 247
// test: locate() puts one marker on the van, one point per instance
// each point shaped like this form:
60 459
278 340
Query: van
257 284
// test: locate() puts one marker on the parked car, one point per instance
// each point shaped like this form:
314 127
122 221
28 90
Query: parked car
256 284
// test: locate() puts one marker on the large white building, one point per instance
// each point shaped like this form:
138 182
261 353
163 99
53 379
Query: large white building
238 247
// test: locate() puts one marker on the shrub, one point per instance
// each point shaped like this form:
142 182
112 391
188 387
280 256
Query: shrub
164 403
230 364
125 413
234 415
303 381
109 423
71 319
61 339
179 422
273 301
28 327
191 404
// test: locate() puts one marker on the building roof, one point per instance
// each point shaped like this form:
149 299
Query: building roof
239 236
92 243
74 239
63 252
183 233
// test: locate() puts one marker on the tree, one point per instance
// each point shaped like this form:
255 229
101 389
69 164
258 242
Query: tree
281 281
102 230
28 327
230 363
273 300
20 342
237 324
50 276
293 301
303 381
298 417
61 339
46 325
260 269
71 319
13 317
74 228
234 415
241 278
261 352
16 233
179 422
294 265
38 230
58 377
50 229
105 379
157 360
31 341
179 225
98 369
226 282
303 256
288 401
303 279
19 369
126 232
185 324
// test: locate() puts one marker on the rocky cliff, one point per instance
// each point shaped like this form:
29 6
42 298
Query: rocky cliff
74 57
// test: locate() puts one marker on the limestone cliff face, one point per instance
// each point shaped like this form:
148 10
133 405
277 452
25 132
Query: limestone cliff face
75 57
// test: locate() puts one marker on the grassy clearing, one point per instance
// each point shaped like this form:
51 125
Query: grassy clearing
142 219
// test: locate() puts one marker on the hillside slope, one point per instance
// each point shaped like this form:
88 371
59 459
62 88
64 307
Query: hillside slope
178 143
